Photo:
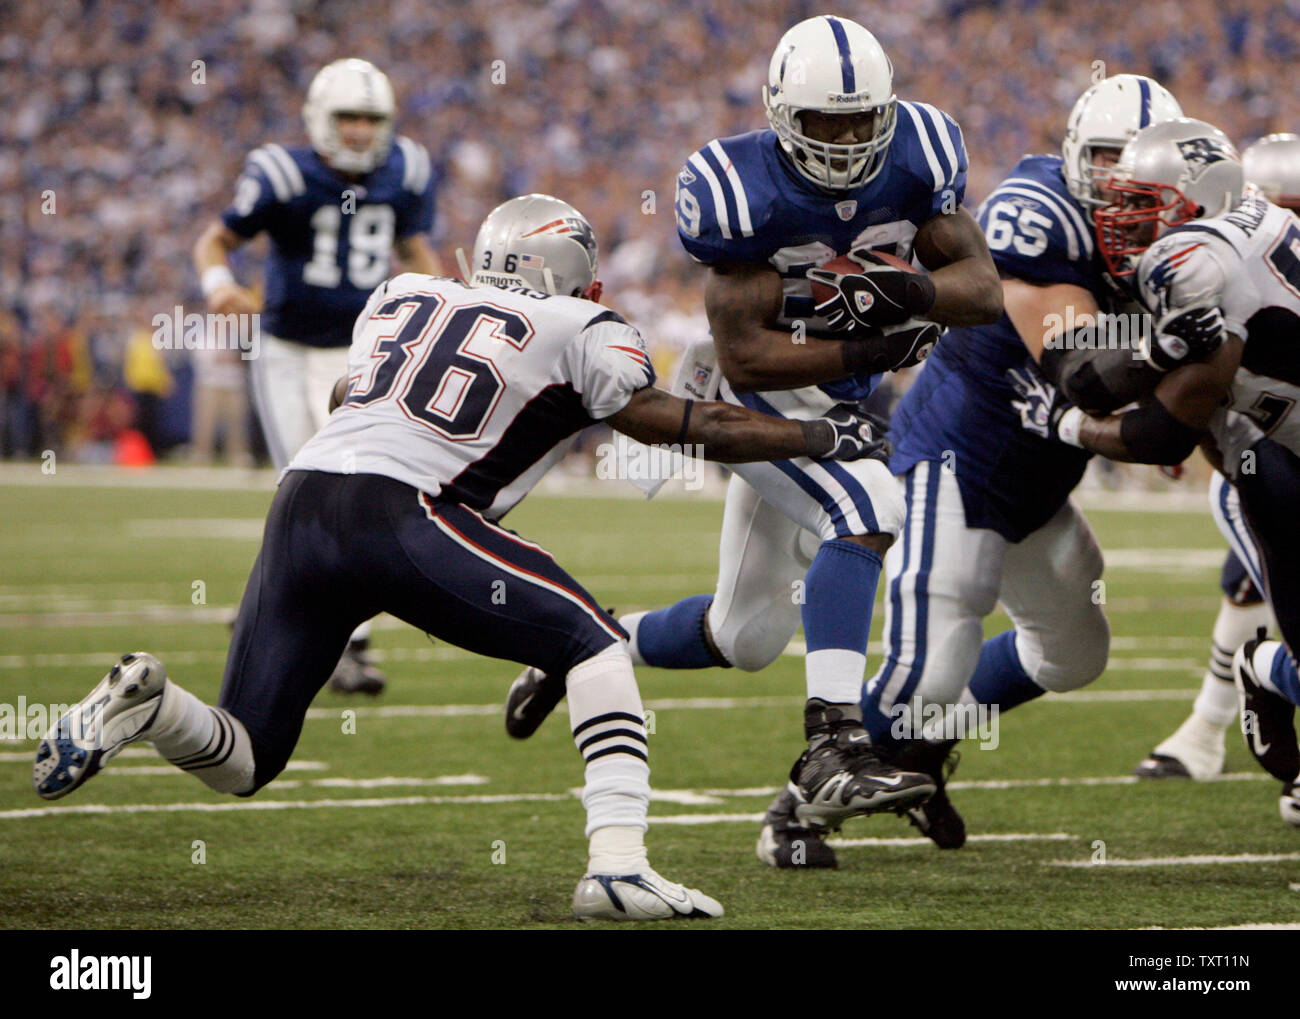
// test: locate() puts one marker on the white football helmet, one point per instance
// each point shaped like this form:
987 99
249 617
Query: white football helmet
538 242
831 65
1166 175
1272 164
349 86
1106 117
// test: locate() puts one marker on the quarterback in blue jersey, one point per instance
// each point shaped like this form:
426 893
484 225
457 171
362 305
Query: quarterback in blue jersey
335 211
845 169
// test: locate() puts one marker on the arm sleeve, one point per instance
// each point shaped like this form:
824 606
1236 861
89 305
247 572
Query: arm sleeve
607 363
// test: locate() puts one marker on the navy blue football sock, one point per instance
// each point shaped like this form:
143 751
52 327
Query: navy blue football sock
839 593
673 638
999 677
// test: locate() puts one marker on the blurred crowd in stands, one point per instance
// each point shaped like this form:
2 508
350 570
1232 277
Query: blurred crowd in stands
127 123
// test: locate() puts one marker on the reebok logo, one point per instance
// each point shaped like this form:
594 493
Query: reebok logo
102 973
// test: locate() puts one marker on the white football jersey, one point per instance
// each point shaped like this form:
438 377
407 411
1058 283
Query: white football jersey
473 393
1247 261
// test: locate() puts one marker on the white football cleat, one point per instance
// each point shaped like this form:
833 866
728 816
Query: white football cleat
643 896
118 711
1196 751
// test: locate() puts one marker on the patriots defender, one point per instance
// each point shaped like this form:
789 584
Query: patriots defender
458 398
988 513
845 167
1196 748
1211 253
335 211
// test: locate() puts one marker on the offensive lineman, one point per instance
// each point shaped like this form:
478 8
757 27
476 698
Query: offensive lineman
335 211
1211 251
1196 749
459 397
845 167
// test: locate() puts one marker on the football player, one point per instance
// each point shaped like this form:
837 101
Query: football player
1217 263
458 398
335 211
1196 749
989 517
845 167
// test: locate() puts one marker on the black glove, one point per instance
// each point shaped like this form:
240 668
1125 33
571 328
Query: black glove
847 432
1041 404
892 348
879 295
1184 337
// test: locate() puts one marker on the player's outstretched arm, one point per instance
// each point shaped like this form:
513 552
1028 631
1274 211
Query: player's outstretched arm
967 290
743 301
211 253
1163 429
731 434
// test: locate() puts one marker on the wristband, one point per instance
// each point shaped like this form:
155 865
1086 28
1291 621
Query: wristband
1068 428
214 278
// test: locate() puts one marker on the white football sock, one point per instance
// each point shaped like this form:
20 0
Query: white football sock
617 850
608 726
209 743
630 623
1216 704
835 675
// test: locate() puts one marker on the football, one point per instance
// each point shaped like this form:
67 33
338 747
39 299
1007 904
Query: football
845 264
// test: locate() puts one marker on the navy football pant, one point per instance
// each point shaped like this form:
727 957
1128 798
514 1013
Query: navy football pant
340 548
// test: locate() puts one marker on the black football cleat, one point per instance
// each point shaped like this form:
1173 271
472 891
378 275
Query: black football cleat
937 819
1161 766
532 697
1267 720
841 775
784 843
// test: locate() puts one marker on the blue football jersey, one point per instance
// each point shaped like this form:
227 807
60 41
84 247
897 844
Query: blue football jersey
740 199
331 239
959 410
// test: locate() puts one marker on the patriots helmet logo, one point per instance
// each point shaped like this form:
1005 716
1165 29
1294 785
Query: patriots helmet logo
1200 153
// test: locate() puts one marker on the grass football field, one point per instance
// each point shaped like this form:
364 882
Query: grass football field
415 810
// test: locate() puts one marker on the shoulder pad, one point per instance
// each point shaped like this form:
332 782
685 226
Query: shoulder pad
931 145
280 169
714 217
1184 268
417 170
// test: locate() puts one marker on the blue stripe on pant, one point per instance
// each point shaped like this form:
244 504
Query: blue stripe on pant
338 549
877 715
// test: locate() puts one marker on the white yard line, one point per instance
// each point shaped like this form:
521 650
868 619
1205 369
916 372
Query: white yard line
1177 861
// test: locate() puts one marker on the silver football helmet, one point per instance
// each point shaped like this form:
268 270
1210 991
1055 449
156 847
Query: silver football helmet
1106 117
1168 174
1272 164
538 242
